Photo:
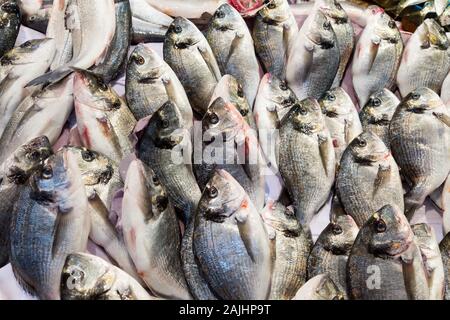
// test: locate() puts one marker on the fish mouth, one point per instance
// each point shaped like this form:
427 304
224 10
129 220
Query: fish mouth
392 248
106 175
186 44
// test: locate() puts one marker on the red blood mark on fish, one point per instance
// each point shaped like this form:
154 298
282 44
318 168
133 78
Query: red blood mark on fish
244 204
133 238
104 126
377 10
387 155
244 6
61 5
335 143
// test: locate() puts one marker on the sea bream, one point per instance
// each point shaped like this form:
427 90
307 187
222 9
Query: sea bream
9 24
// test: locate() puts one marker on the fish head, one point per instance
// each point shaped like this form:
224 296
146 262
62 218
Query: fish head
90 90
85 277
380 108
29 52
166 126
275 11
305 117
326 289
321 31
95 168
434 35
333 10
182 34
9 9
145 64
222 198
282 219
27 159
278 92
339 236
335 103
159 198
382 25
421 101
390 233
368 149
223 121
230 89
226 18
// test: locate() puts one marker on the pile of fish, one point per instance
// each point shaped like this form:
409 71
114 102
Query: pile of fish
165 193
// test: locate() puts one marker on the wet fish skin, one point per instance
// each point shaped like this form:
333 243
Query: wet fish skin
194 9
167 149
314 58
291 245
188 53
329 254
273 101
87 277
444 246
150 83
307 160
9 24
36 13
15 172
420 141
426 59
377 114
115 58
320 287
104 121
274 31
50 221
152 234
375 259
429 247
377 55
341 118
227 216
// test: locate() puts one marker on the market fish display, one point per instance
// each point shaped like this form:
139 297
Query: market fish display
420 142
9 24
226 215
87 277
377 55
377 114
426 59
368 178
50 221
273 33
314 58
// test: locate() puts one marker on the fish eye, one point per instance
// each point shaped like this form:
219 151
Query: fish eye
303 111
240 92
155 180
101 85
162 203
415 96
32 18
47 172
362 143
178 29
391 24
330 97
327 25
213 192
139 60
337 229
88 155
220 14
283 85
165 123
244 112
213 118
271 5
34 155
116 104
26 44
338 5
442 31
380 226
376 102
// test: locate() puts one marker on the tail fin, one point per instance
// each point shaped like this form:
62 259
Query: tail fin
50 77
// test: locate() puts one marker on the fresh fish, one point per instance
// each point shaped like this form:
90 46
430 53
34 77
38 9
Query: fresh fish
188 53
167 149
320 287
192 9
149 24
115 58
291 247
307 160
377 55
230 144
104 121
87 277
274 32
231 91
343 28
37 55
150 83
91 25
420 142
331 250
232 45
314 58
374 269
445 90
15 172
36 13
368 178
43 113
240 268
426 60
444 246
377 114
50 221
341 118
9 25
152 233
429 247
273 101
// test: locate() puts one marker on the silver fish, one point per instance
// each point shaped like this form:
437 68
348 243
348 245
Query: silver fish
320 287
193 9
9 24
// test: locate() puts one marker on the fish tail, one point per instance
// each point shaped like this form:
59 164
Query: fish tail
50 77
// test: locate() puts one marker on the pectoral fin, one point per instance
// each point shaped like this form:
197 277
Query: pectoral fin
325 152
210 61
374 46
245 230
383 176
445 119
414 274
